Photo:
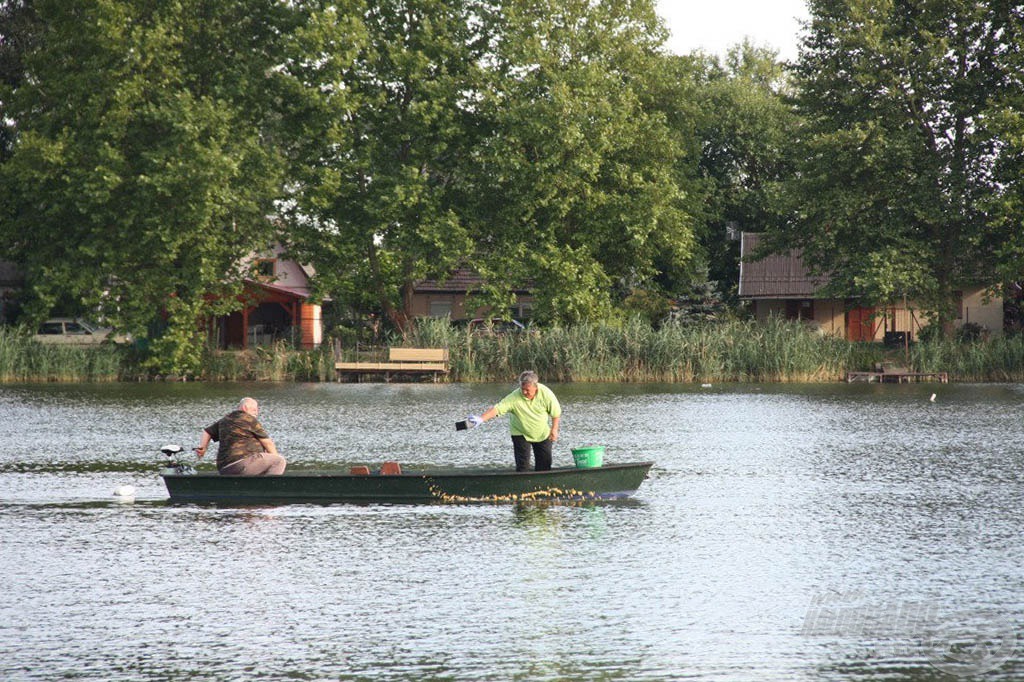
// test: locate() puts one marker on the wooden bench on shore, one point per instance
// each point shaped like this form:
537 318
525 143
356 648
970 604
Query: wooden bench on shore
431 362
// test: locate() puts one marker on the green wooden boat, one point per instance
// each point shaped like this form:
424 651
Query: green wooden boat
612 481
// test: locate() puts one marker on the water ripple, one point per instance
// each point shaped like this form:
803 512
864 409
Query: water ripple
781 535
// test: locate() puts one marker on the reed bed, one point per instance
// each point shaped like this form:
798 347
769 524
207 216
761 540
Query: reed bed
275 363
634 351
22 358
1000 359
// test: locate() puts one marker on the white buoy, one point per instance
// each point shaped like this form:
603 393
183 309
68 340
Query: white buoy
932 398
125 493
705 385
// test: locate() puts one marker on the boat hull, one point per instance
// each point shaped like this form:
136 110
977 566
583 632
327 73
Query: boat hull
613 481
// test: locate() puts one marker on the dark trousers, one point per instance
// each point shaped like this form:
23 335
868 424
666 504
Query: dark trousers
541 453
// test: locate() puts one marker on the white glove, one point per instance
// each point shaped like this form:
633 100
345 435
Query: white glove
474 420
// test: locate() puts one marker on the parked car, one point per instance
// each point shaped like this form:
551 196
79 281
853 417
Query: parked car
73 331
497 326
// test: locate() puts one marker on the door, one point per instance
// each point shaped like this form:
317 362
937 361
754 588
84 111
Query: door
860 324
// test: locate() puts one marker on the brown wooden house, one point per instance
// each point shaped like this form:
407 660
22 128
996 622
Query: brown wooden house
781 285
276 302
447 297
277 307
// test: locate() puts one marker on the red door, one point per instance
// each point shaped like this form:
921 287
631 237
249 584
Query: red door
860 324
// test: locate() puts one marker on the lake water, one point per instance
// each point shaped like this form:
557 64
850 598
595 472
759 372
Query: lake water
825 532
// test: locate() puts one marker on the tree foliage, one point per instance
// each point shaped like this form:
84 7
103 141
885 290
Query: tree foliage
899 154
141 171
513 138
18 28
745 126
1006 122
549 145
377 198
577 188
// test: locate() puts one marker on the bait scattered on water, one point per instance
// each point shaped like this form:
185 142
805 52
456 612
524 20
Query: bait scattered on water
536 495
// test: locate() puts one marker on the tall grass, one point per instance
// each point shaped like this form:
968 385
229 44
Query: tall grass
772 351
22 358
776 350
997 359
275 363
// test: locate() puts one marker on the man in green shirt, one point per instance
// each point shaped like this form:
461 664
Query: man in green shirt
530 407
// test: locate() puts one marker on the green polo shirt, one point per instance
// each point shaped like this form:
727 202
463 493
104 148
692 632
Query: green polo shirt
529 418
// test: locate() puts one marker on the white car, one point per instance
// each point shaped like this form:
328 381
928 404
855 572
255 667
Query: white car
71 331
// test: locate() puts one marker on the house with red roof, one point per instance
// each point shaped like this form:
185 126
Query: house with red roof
277 307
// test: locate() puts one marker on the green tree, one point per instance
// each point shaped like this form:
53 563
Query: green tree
745 127
897 154
577 187
141 171
378 204
18 28
1006 122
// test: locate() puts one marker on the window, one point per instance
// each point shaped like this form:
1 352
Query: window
52 328
521 310
440 308
800 309
265 268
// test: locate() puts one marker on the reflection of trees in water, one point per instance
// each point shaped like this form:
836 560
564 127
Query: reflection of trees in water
587 515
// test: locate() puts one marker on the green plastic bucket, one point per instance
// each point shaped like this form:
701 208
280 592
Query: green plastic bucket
588 457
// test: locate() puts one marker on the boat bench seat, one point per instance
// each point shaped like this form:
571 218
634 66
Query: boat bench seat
386 469
390 469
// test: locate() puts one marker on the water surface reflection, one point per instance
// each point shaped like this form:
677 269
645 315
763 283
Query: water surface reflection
783 534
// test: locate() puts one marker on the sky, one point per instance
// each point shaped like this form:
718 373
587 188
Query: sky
716 25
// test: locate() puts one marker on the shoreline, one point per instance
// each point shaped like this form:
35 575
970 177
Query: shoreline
736 351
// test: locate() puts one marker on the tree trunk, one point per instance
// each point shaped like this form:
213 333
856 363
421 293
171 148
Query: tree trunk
398 318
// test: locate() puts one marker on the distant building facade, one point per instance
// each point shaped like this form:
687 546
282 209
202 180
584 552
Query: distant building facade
781 285
276 307
447 298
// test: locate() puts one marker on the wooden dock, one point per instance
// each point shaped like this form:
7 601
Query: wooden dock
897 377
415 362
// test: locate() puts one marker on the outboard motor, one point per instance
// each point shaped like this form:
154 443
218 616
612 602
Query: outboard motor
173 463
